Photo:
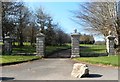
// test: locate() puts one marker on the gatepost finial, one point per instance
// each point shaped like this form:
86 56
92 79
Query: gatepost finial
110 32
40 29
75 30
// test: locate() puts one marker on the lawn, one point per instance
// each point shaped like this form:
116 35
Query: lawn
24 43
24 49
92 50
1 43
52 49
106 60
16 55
89 52
30 49
10 59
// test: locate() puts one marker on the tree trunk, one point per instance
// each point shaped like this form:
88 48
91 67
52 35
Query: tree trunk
119 40
21 39
31 41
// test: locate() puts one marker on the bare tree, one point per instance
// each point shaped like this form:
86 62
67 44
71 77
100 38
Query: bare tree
99 17
9 10
50 32
118 23
87 39
41 18
0 20
30 33
22 21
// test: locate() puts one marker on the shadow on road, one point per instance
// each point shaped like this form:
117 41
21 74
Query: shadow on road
6 78
61 54
93 76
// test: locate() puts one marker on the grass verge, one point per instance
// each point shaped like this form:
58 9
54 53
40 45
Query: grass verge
24 49
16 59
105 60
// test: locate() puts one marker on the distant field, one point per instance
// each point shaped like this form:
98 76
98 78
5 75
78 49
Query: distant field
93 45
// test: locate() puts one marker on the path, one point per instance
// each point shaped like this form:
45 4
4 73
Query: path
54 69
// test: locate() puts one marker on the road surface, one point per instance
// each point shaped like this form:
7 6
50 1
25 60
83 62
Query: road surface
54 69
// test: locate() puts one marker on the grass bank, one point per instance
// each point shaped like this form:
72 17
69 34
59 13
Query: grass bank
16 59
105 60
96 54
28 51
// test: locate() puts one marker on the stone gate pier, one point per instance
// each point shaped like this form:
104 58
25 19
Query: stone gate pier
7 49
75 37
40 40
110 44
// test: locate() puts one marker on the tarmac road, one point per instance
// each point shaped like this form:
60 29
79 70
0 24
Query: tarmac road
54 69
